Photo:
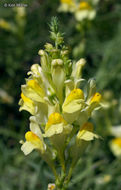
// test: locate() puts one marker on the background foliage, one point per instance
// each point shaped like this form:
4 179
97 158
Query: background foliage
100 45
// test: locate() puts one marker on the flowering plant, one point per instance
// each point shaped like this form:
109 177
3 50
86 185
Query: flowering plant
59 127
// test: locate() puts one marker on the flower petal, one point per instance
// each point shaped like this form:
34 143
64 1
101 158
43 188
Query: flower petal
27 147
36 129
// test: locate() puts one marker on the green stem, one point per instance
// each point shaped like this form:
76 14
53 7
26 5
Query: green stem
62 161
54 172
69 176
60 182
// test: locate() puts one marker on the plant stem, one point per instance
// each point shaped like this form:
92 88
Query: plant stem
62 161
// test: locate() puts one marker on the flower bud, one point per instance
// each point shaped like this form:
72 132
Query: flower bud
91 89
77 70
58 77
44 61
48 47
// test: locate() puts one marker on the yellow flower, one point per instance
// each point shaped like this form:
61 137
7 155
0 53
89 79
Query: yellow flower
57 129
67 6
115 146
94 102
34 140
67 1
33 91
96 98
36 87
54 118
83 137
56 125
27 104
75 94
91 104
85 11
25 99
86 132
74 101
84 5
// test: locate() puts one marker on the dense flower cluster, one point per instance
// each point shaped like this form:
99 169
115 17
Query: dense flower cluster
59 108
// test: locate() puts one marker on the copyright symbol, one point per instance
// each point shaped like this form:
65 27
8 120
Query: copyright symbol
5 4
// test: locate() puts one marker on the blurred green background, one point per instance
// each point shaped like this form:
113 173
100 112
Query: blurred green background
22 34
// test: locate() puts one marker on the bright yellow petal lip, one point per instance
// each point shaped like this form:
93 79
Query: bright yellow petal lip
27 104
36 142
25 99
54 118
96 98
74 101
84 6
30 136
32 84
35 86
75 94
117 141
67 1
